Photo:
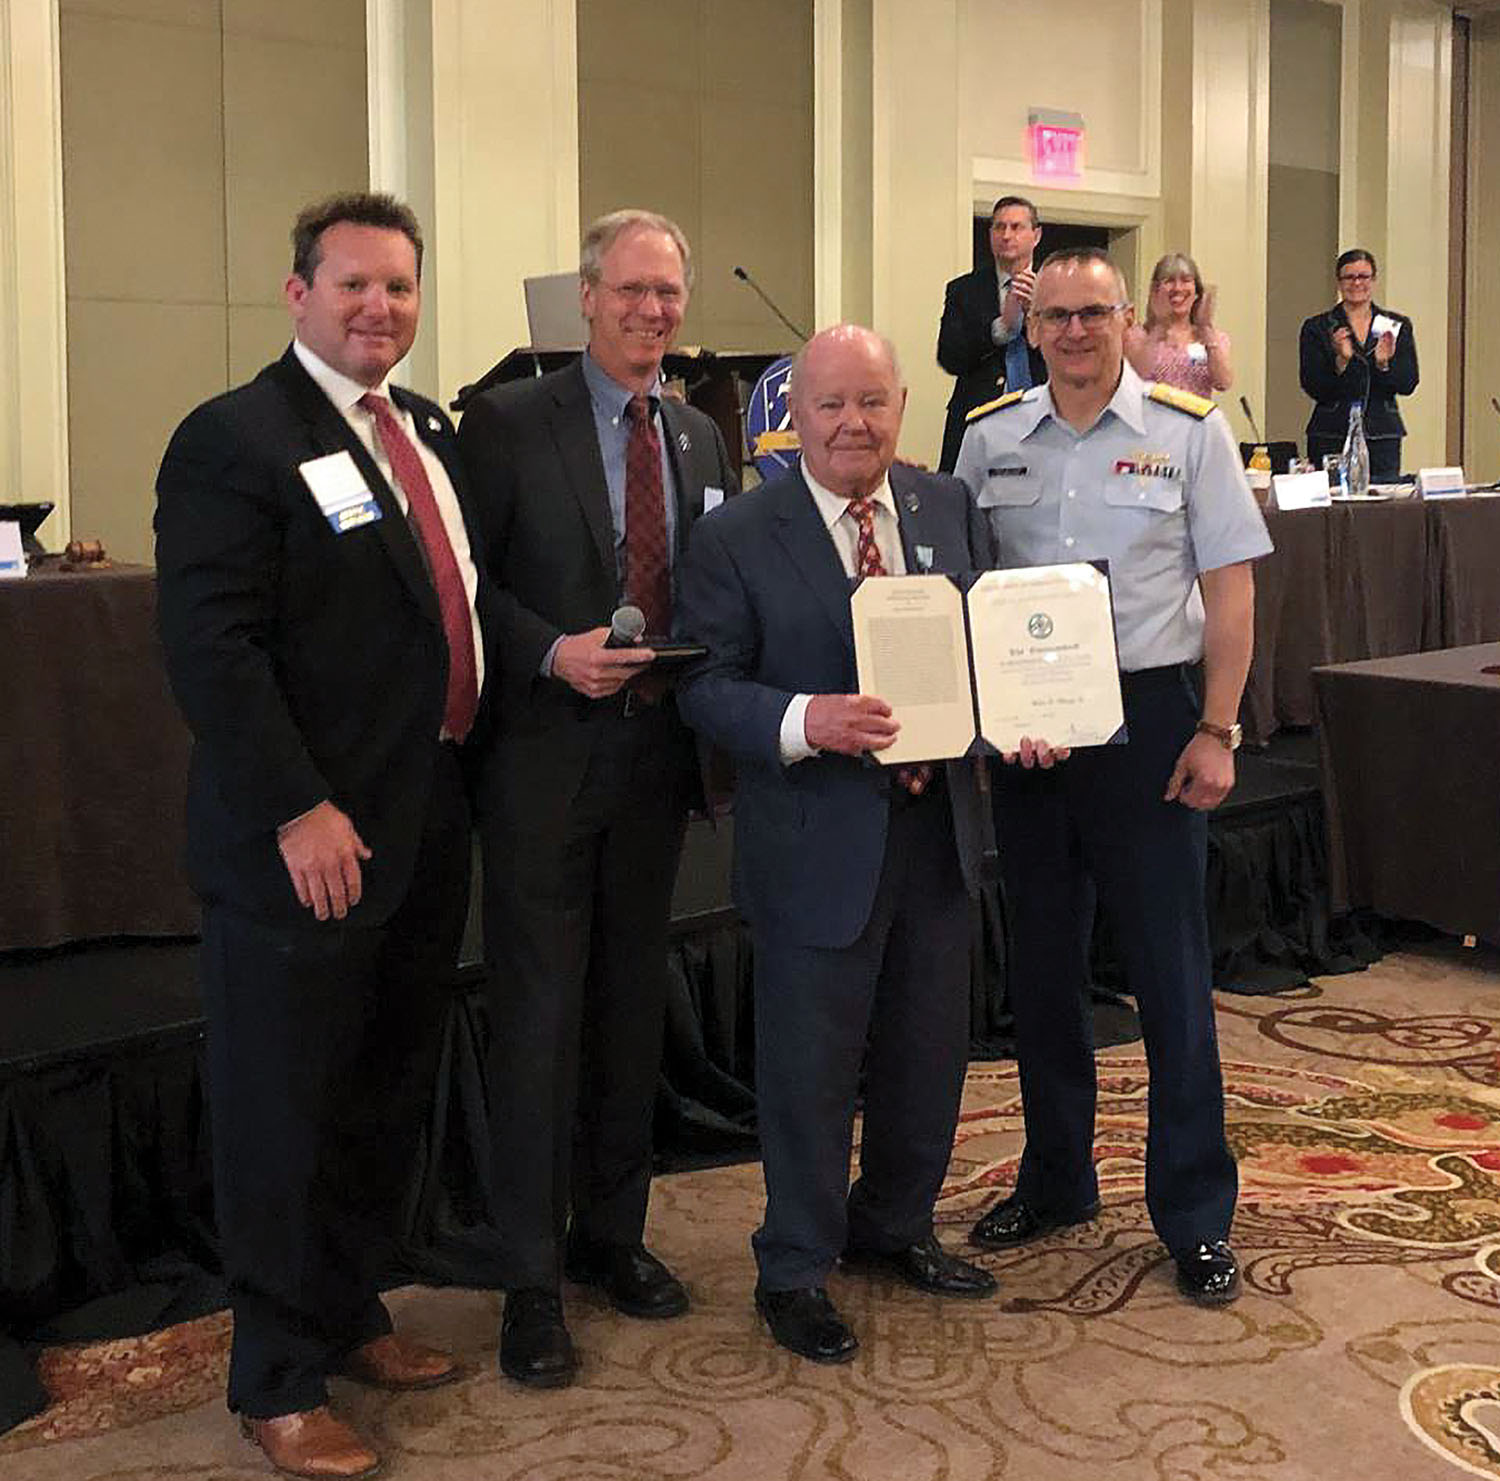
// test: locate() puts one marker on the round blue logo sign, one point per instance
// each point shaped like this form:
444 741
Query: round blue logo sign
768 424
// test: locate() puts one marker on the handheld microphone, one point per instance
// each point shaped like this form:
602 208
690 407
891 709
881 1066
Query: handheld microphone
766 299
626 628
1250 417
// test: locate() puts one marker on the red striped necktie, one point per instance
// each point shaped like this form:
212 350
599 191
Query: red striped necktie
453 601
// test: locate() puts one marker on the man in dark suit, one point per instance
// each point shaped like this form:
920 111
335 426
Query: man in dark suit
318 611
982 338
855 879
587 481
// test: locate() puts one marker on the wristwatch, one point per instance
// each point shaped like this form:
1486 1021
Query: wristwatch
1228 736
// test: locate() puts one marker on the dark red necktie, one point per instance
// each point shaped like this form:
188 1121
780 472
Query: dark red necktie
867 562
453 601
648 574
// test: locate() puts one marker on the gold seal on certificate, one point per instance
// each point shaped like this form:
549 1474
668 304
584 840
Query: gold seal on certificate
1044 656
1024 652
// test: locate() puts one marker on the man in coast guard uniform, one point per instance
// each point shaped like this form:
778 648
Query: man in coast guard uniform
1098 464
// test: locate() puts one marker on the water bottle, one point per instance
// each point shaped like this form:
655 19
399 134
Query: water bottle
1356 456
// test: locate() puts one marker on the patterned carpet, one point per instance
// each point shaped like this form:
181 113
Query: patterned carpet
1366 1115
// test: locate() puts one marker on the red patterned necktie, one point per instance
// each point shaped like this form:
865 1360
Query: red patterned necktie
867 562
453 601
648 576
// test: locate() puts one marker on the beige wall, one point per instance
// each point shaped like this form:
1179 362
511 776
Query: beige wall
192 130
1302 197
1481 454
721 140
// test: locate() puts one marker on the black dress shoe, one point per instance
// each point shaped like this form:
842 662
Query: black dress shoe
807 1323
636 1282
535 1348
929 1267
1014 1221
1209 1274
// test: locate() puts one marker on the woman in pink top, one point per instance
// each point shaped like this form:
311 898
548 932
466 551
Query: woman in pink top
1178 343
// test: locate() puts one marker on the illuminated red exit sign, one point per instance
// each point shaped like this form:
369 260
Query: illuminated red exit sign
1054 144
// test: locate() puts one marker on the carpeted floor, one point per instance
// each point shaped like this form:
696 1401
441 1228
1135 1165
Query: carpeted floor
1366 1115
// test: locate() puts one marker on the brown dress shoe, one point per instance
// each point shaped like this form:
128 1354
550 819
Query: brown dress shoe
396 1362
315 1444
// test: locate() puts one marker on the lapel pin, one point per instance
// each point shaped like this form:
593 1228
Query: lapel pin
433 425
912 502
682 441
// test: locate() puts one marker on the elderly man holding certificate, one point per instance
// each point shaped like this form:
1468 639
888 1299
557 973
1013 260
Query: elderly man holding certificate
855 878
1099 465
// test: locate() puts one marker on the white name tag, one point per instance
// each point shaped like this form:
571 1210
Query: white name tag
340 489
712 498
1384 324
1197 352
12 556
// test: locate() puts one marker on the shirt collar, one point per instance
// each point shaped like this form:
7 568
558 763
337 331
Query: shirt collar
1127 404
832 507
607 393
334 384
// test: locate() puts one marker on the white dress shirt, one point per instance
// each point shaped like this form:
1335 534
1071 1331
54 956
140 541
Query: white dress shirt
843 530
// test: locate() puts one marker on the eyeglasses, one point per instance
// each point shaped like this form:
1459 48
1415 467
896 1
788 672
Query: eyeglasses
1356 277
1090 316
666 294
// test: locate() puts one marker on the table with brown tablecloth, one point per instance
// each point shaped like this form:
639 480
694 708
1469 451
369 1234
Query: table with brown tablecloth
94 760
1366 581
1411 783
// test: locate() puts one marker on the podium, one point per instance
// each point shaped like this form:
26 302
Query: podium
713 381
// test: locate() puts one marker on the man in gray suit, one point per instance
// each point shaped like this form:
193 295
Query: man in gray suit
855 878
586 482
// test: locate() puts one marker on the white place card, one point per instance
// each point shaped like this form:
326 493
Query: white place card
12 555
1441 483
1300 490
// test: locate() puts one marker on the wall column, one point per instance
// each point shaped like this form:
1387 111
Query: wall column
33 341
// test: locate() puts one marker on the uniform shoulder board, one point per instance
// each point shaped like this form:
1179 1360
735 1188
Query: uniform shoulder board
1180 400
1009 399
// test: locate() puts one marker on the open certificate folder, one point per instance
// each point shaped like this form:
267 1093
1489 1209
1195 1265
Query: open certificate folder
969 664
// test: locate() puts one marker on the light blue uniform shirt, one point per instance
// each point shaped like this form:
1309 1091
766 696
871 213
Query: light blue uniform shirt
609 399
1157 492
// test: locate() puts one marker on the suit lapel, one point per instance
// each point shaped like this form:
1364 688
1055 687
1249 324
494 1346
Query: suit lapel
330 433
805 539
577 443
682 455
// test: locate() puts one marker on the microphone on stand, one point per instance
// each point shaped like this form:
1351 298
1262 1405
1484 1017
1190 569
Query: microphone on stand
626 628
766 299
1250 417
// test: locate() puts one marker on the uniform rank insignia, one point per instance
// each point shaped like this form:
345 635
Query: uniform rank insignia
1009 399
1179 400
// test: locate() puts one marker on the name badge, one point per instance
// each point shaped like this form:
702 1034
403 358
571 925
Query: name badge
340 490
1197 352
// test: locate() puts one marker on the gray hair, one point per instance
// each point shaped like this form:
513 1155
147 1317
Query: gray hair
606 230
1081 257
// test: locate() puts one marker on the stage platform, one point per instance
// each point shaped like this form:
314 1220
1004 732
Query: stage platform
104 1150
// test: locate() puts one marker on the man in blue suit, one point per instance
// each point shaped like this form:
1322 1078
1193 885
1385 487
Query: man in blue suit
855 878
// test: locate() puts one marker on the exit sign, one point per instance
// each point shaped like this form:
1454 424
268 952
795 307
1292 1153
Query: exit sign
1054 144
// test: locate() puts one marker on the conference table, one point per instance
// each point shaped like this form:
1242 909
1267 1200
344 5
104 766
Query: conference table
1366 580
1412 786
94 757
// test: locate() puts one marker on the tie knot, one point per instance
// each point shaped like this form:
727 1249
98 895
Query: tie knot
638 408
375 404
863 509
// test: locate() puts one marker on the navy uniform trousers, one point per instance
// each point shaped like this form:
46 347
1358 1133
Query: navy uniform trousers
1100 816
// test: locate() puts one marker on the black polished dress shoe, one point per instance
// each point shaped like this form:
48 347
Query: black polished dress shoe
636 1282
929 1267
1014 1221
1209 1274
807 1323
535 1348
